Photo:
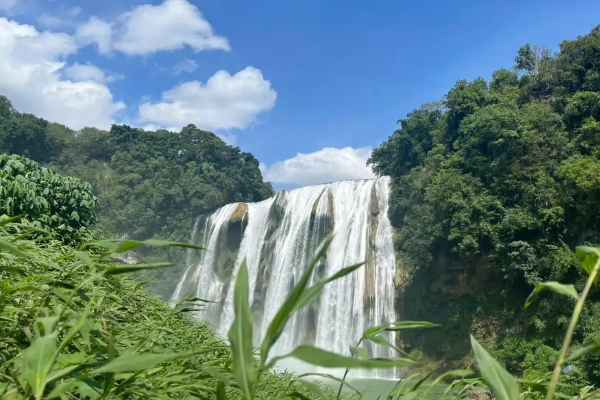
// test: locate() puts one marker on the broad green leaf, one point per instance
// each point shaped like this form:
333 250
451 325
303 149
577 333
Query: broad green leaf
62 388
37 362
578 353
240 335
290 304
398 326
588 256
125 269
84 258
11 248
324 358
142 362
113 245
8 220
503 385
566 290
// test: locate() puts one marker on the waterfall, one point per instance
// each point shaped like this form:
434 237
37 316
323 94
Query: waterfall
278 237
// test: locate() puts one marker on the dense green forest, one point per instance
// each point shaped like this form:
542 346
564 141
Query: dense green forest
148 184
493 187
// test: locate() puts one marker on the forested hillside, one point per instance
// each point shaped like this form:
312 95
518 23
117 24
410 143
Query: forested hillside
148 184
493 187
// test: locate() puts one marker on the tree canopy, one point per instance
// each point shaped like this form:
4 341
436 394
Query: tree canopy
504 172
148 183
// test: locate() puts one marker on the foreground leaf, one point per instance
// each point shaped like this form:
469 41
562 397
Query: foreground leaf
37 362
290 305
324 358
503 385
142 362
398 326
578 353
588 256
240 335
565 290
125 269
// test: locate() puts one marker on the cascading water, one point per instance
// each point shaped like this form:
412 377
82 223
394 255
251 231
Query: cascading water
278 237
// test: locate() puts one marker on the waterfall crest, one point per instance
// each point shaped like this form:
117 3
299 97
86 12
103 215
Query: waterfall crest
278 237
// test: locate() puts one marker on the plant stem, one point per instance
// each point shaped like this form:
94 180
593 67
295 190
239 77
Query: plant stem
574 319
345 374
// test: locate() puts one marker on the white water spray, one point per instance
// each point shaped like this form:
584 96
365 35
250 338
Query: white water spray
278 237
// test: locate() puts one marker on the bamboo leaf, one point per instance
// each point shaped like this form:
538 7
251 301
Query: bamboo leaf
398 326
240 335
125 269
142 362
503 385
324 358
11 248
578 353
221 394
565 290
588 256
37 362
290 304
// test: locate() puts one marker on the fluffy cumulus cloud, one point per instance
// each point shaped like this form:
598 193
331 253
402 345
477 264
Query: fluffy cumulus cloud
88 72
148 29
326 165
32 65
224 102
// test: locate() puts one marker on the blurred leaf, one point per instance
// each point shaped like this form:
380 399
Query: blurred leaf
221 395
11 248
324 358
240 335
290 304
578 353
398 326
142 362
588 256
125 269
37 362
566 290
503 385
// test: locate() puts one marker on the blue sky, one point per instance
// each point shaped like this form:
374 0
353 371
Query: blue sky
328 79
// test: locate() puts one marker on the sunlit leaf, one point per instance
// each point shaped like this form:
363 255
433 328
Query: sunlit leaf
565 290
324 358
578 353
240 335
125 269
290 304
37 362
503 385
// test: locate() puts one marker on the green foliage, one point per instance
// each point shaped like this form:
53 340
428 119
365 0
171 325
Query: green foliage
64 204
148 184
503 177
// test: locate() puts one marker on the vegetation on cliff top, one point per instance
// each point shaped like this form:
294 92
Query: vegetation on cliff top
148 184
503 174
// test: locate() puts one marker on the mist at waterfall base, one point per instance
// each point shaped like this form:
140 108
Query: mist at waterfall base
278 237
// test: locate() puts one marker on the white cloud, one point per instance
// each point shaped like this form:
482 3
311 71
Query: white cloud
88 72
148 29
185 65
322 166
31 66
224 102
96 31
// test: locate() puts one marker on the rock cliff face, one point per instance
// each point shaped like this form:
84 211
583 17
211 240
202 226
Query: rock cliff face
461 296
